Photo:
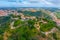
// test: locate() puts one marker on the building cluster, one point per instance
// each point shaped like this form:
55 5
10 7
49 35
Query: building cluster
3 13
23 17
6 12
58 22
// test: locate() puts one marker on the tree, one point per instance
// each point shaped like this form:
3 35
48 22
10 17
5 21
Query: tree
47 26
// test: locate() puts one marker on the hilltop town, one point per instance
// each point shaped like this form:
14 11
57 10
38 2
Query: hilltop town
29 24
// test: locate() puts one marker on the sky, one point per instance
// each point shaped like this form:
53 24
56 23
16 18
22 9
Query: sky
29 3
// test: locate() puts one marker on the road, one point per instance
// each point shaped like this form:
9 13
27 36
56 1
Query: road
55 19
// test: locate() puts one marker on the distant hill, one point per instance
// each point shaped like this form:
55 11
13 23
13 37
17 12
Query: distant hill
52 9
18 8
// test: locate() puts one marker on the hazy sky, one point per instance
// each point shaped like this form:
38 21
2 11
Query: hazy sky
29 3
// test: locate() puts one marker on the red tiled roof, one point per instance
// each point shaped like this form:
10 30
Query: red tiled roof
2 13
58 21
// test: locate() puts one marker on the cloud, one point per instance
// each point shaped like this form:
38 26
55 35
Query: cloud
46 2
54 1
10 4
29 3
